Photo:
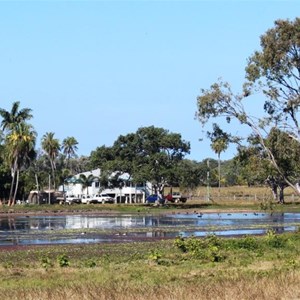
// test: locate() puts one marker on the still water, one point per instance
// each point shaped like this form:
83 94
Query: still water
28 230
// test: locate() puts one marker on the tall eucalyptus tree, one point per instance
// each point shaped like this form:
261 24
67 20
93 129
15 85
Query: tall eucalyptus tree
274 73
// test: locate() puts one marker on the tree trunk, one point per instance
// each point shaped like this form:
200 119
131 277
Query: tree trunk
13 175
274 186
16 188
281 195
11 189
219 172
37 182
53 172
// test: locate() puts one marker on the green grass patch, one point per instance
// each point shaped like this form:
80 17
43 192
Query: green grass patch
152 270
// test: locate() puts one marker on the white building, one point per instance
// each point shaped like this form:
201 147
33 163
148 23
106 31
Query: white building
127 194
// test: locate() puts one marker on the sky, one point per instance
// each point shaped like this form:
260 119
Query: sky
96 70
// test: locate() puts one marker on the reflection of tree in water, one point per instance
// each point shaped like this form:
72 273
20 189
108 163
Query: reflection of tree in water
277 218
12 228
16 230
158 234
47 223
12 223
151 221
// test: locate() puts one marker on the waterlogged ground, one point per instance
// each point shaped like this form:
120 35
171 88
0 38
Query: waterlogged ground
72 229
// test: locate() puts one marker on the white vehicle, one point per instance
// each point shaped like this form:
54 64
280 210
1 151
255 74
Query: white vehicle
87 199
70 199
102 198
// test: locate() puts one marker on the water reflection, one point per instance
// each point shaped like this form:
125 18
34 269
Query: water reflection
17 230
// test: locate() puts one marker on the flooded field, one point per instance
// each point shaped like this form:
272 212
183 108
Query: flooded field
29 230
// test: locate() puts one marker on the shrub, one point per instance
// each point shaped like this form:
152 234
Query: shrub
63 260
274 240
155 255
248 242
208 248
46 262
90 263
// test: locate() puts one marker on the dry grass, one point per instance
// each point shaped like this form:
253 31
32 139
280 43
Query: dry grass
283 286
240 195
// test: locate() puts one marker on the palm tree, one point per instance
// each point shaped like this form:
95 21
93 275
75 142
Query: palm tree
219 146
19 141
219 142
69 146
86 181
51 146
20 150
10 120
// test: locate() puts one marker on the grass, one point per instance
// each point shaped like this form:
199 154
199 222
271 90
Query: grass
264 267
211 268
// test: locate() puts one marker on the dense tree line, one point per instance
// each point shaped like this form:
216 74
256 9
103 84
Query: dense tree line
27 167
149 155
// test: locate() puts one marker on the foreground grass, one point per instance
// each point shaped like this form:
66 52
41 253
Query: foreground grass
211 268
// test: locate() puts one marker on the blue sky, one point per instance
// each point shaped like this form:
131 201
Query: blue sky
98 69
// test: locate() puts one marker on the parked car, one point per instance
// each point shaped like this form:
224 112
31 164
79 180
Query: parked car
155 199
87 199
71 199
102 198
176 197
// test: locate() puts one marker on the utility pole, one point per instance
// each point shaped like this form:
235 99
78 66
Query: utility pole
208 188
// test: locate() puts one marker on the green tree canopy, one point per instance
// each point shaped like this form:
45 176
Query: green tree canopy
12 119
51 146
69 147
19 143
274 71
86 181
151 154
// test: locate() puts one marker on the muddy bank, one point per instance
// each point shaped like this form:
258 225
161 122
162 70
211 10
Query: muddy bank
107 212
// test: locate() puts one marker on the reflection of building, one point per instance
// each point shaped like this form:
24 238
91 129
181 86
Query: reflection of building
128 193
105 222
46 223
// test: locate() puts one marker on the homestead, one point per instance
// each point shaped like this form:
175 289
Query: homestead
127 193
